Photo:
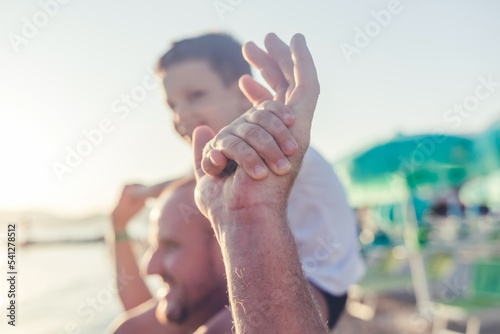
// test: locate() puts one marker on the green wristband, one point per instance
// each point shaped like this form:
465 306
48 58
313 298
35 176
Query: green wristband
122 236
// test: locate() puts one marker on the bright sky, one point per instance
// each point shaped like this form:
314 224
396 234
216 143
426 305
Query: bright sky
62 77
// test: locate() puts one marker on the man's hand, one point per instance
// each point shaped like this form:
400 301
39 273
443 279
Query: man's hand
258 139
291 73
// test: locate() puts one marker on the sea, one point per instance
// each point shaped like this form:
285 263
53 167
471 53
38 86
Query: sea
62 289
64 281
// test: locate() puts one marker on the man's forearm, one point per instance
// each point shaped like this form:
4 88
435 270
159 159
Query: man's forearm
267 288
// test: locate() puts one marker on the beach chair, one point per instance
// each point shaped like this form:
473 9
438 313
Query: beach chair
393 275
482 300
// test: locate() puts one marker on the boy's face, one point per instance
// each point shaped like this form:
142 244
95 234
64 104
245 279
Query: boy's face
197 96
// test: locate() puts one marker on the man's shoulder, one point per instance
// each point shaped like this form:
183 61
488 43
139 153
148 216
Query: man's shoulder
137 320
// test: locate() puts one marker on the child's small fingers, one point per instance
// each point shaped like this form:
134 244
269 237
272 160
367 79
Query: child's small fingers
280 52
268 68
307 89
254 91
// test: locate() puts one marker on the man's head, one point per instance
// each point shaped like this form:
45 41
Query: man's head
187 256
200 76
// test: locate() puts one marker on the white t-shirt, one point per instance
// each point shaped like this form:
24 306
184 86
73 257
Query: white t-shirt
324 227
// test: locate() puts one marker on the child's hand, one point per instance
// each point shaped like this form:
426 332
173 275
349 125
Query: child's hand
258 140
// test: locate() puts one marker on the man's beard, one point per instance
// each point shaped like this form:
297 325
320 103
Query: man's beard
179 310
182 308
174 311
178 316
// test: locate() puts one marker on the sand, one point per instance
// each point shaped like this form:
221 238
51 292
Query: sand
396 314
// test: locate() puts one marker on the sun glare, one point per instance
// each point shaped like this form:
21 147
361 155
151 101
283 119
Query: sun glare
24 145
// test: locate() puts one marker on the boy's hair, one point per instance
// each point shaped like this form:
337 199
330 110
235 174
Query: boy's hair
221 51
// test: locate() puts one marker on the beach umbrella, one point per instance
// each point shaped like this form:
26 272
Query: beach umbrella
488 144
422 159
406 165
398 173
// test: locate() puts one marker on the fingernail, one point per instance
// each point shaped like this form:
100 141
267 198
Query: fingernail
213 162
302 37
283 165
260 171
287 112
289 146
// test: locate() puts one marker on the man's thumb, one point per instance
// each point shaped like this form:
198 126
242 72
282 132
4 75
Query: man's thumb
201 136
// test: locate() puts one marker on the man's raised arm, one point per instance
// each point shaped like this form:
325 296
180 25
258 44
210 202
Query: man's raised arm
130 284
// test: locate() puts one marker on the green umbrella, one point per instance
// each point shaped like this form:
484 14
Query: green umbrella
393 170
488 143
392 176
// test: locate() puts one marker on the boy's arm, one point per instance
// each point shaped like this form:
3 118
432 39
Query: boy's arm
132 289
